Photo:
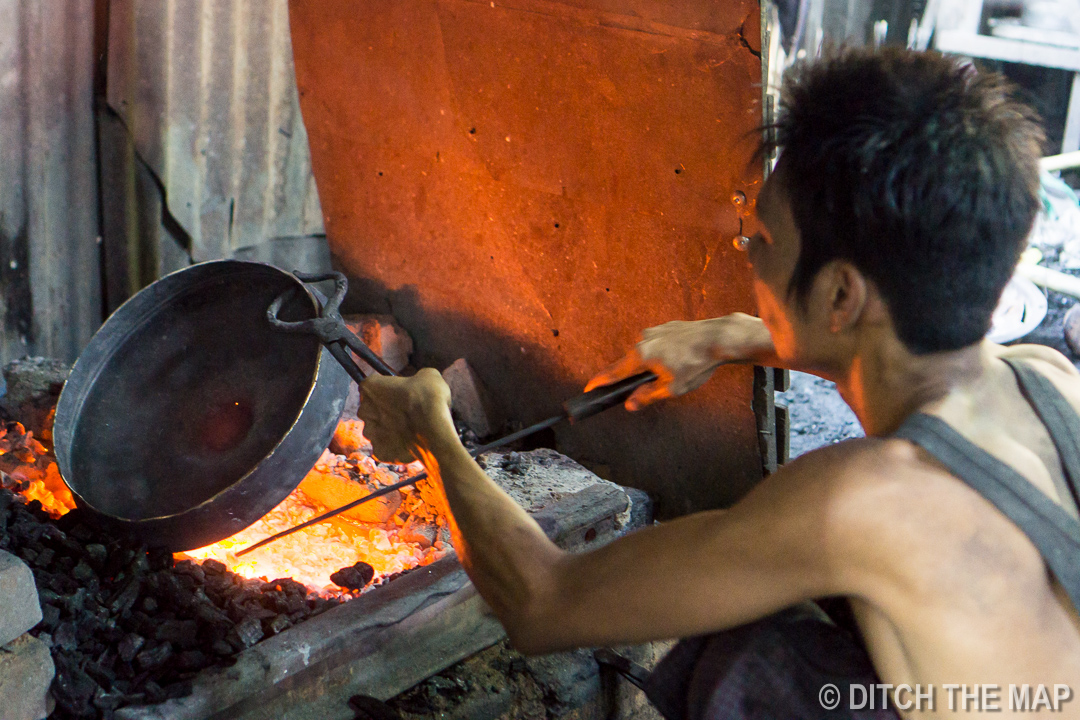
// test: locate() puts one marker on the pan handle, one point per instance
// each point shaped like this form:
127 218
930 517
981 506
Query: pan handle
329 327
341 286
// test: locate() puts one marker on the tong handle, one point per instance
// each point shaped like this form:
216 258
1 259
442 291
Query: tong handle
329 326
601 398
341 286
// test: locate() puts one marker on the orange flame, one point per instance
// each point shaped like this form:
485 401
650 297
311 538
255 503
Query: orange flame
30 465
393 534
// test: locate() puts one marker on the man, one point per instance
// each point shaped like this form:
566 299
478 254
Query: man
905 187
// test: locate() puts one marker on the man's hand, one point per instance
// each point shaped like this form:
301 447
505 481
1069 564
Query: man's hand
404 416
684 355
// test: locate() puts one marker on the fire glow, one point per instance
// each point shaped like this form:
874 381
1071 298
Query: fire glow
393 534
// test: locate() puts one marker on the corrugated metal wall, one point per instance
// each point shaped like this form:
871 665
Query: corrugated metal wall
50 293
203 113
195 141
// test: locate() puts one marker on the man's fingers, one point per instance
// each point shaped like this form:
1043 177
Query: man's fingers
647 394
629 365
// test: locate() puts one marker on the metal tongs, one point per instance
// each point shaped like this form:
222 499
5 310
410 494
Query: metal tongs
332 332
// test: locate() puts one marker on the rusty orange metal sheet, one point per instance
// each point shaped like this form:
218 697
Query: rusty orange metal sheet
529 184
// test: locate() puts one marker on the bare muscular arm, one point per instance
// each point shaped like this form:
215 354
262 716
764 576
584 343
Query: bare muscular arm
704 572
684 355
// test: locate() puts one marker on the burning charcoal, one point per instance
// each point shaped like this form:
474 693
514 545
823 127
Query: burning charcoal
44 558
110 634
139 565
117 560
420 532
191 661
214 567
37 511
72 689
98 554
154 656
295 604
159 557
149 605
107 700
65 637
290 586
246 607
81 532
50 616
222 648
355 577
179 689
175 631
125 599
101 674
192 569
246 634
83 572
130 646
154 693
212 616
75 602
279 623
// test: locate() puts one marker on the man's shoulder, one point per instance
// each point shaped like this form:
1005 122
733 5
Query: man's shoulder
862 485
859 463
1042 358
892 517
870 484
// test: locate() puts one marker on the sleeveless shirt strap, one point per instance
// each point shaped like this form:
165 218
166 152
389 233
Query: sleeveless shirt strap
1059 417
1053 531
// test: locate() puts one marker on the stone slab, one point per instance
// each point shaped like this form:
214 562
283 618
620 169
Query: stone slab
19 606
384 642
26 672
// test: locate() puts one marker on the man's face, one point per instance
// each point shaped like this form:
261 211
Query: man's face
773 252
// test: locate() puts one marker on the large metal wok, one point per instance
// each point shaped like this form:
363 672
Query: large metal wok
189 416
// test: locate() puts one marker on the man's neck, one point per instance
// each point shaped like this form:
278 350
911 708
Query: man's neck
885 383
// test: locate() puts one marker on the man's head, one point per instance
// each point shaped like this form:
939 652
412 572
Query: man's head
916 171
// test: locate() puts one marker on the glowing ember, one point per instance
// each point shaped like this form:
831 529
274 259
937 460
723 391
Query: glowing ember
311 555
31 471
392 534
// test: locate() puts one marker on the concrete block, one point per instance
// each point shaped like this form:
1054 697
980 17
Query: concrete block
470 400
19 606
26 672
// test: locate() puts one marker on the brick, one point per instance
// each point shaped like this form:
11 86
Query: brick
385 337
26 672
469 399
19 606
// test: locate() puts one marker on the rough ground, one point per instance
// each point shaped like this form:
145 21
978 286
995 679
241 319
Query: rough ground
819 416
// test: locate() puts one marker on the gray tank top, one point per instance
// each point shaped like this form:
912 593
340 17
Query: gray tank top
1054 530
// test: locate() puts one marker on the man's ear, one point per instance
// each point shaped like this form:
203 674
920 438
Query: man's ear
848 294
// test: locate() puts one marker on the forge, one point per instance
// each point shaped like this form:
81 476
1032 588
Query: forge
514 190
138 632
